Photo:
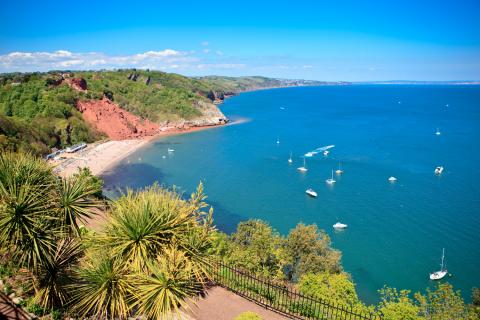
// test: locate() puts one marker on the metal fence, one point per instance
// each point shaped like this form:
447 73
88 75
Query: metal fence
282 297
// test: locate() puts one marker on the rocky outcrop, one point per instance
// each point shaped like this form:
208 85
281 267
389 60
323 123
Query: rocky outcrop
116 123
211 116
78 84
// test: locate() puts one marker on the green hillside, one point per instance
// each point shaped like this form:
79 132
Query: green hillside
37 110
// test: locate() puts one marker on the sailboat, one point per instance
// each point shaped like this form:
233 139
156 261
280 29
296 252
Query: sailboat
330 180
437 275
304 168
290 159
339 171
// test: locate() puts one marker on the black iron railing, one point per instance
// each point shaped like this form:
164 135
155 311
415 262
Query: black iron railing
282 297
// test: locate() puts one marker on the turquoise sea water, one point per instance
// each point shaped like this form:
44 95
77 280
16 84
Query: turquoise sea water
396 231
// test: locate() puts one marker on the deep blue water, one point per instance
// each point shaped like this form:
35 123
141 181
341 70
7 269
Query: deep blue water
396 231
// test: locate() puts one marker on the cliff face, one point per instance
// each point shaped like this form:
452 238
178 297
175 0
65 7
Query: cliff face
115 122
211 116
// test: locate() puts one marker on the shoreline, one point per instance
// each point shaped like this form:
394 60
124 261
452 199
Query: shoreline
103 155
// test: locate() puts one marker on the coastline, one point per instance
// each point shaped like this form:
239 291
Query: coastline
102 156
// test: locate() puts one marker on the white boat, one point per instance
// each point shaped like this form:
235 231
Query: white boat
392 179
330 180
304 167
438 170
339 171
311 193
170 150
340 225
326 152
437 275
278 141
438 132
290 159
310 154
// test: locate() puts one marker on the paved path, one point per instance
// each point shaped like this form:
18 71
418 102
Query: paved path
221 304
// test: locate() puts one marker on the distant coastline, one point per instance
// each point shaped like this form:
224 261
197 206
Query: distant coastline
412 82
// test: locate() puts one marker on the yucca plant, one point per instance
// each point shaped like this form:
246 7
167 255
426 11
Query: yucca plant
142 224
168 285
77 203
103 289
27 208
57 274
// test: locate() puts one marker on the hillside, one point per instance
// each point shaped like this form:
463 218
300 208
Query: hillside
39 111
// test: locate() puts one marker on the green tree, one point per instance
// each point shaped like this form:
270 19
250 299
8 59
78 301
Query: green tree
308 250
397 305
337 287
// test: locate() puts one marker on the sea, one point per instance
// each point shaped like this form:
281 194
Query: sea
396 231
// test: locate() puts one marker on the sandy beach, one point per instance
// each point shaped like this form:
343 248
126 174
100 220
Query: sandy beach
100 156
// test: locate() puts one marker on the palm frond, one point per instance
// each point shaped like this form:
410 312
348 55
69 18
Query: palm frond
103 289
77 202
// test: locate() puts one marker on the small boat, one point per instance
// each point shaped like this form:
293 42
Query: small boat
326 152
170 150
438 132
340 225
290 159
339 171
310 154
437 275
438 170
304 167
311 193
278 141
392 179
282 108
330 180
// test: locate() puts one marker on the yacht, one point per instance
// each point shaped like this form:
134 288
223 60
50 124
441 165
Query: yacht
290 159
340 225
438 170
437 275
278 141
392 179
326 152
304 167
438 132
339 171
311 193
170 150
330 180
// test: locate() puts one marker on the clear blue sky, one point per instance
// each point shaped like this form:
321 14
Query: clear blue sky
325 40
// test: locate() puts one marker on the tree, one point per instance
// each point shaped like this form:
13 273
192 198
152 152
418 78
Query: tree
337 287
308 250
443 304
256 248
397 305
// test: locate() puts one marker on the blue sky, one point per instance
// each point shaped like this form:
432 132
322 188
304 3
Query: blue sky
325 40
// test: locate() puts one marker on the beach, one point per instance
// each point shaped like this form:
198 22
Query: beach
100 156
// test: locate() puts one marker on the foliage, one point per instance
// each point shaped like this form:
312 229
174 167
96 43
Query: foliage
337 288
396 305
248 315
258 248
308 250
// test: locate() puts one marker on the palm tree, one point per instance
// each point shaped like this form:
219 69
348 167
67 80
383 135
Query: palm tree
168 285
55 276
77 203
27 208
103 289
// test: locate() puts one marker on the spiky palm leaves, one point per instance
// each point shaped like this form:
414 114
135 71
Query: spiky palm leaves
27 209
38 210
159 240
